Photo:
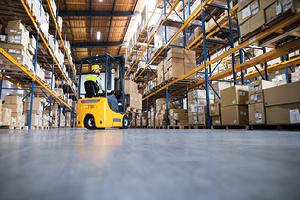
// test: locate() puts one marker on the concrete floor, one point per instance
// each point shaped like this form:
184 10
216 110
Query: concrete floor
147 164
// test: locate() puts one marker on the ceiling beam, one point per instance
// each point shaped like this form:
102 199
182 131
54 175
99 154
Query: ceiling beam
110 22
95 44
83 13
127 26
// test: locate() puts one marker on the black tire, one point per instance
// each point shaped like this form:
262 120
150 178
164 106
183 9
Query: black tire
89 122
125 122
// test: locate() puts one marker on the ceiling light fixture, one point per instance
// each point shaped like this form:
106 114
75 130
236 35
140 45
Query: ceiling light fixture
100 0
98 35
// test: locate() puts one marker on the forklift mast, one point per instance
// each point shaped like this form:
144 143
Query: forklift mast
107 61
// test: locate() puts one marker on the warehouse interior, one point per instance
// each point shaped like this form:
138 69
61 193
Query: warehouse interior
149 99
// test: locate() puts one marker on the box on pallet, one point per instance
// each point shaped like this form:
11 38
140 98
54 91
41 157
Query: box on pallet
283 114
256 113
196 118
36 106
216 121
234 115
254 14
283 94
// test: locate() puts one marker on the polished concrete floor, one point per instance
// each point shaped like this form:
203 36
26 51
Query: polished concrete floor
147 164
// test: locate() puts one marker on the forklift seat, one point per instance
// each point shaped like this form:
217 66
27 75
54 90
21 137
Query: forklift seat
91 89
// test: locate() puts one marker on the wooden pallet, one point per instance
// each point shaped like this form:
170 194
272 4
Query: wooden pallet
230 127
291 127
159 127
197 126
178 127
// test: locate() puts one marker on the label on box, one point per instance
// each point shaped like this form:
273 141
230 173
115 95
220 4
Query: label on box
242 93
254 7
278 8
246 12
294 116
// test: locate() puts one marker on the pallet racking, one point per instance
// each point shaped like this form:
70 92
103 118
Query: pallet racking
26 78
207 65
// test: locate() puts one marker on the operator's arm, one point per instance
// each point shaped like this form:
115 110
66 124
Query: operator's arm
98 81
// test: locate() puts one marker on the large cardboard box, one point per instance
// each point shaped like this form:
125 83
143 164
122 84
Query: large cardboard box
283 114
234 115
36 106
235 95
175 53
256 113
130 86
13 99
283 94
5 117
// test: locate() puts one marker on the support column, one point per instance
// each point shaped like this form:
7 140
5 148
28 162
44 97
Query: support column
207 114
32 82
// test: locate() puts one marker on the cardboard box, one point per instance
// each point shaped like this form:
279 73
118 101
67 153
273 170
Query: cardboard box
36 106
5 117
258 86
175 53
257 113
295 76
196 118
283 114
216 121
235 95
234 115
13 99
215 109
283 94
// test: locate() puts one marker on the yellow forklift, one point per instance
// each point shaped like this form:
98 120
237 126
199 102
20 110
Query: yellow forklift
103 110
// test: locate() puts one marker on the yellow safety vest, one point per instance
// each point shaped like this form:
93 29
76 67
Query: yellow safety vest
96 79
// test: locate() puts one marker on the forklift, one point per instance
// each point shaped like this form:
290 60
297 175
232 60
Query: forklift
103 110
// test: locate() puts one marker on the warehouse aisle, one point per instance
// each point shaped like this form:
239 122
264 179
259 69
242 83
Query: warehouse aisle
149 164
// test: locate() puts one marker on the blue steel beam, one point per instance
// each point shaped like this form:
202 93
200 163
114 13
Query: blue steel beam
110 22
94 44
32 83
208 119
85 13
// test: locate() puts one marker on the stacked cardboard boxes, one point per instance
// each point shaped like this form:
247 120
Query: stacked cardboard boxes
15 104
17 45
135 98
256 106
178 117
253 14
215 113
197 106
159 37
178 62
282 104
234 105
37 111
5 116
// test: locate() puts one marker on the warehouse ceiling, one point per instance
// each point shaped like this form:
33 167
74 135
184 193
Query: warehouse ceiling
97 26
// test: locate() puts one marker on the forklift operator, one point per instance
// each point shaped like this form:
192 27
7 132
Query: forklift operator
96 70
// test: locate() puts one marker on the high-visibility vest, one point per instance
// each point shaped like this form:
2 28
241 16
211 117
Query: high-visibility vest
96 79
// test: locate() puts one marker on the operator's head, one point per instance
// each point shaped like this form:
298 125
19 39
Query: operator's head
96 69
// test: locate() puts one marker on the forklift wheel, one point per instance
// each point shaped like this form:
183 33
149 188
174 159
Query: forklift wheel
125 123
89 122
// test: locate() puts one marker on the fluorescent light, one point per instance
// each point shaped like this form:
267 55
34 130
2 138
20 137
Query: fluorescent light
100 0
98 35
